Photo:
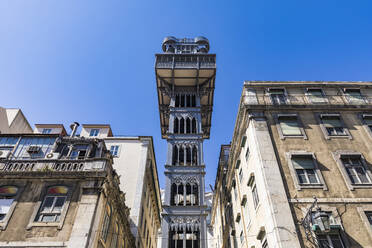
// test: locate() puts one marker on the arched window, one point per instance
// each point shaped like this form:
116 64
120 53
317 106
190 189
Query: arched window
182 125
176 238
182 100
194 155
193 101
175 155
188 155
179 196
175 125
173 194
53 204
193 124
189 195
188 101
181 158
188 125
7 197
192 238
177 104
195 192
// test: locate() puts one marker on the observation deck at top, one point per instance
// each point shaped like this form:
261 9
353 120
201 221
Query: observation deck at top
185 66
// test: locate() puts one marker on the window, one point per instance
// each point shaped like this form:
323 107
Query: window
355 170
240 175
315 96
114 150
247 154
244 139
7 197
264 243
241 237
333 126
94 132
305 169
289 126
106 222
114 240
47 131
277 96
369 217
252 184
330 241
353 96
53 204
367 121
79 152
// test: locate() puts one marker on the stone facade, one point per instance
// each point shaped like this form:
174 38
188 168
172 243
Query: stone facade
293 141
12 120
134 156
59 191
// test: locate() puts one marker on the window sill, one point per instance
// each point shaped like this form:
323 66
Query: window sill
311 186
59 225
293 137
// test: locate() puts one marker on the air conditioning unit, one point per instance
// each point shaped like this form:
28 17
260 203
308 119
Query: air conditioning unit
33 149
4 154
52 155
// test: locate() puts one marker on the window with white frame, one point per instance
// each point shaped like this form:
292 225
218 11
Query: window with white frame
289 125
315 95
7 197
277 96
114 150
354 96
333 125
94 132
355 169
53 204
305 169
46 131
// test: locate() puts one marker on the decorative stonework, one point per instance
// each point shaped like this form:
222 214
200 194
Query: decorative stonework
185 179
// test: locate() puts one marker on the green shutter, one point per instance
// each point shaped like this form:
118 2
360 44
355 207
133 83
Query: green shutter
302 162
237 164
331 121
289 126
244 139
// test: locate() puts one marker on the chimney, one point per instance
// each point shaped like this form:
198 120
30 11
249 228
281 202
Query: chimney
74 126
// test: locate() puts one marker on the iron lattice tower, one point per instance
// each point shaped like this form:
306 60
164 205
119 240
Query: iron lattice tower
185 79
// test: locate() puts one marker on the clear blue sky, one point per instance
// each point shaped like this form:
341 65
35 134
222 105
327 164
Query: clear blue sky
93 61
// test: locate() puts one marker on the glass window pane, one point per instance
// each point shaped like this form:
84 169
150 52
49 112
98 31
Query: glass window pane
312 176
362 174
48 218
352 175
48 203
368 120
316 95
336 241
301 176
59 204
289 126
5 205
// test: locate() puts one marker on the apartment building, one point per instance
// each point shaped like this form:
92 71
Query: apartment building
135 163
60 191
299 171
12 120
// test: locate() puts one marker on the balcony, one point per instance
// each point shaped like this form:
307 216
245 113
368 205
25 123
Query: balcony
182 61
94 165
